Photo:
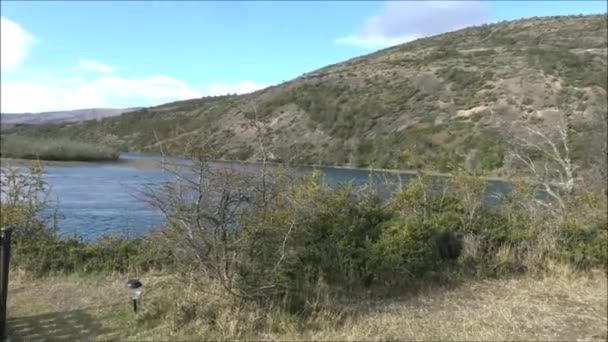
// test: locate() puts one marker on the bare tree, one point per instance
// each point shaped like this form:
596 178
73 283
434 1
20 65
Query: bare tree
217 213
547 156
544 149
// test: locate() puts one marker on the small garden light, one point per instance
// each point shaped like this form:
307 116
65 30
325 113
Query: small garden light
134 286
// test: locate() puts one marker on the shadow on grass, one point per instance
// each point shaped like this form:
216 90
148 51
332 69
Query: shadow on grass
57 326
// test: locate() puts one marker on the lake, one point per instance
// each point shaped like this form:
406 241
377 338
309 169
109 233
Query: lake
96 198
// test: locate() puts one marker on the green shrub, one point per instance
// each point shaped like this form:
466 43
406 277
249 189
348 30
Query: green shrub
329 243
405 252
41 252
338 238
583 245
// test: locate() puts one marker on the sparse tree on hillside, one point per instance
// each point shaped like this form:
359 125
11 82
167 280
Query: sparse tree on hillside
547 156
545 150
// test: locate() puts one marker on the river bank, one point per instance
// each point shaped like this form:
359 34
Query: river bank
156 162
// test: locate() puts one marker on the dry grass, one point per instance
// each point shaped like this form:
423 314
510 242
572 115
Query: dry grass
71 307
518 309
59 149
572 308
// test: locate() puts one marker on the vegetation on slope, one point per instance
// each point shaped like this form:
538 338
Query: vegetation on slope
55 149
439 103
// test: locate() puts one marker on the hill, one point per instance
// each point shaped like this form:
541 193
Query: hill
436 103
65 116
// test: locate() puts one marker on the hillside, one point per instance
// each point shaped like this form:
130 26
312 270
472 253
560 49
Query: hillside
434 103
66 116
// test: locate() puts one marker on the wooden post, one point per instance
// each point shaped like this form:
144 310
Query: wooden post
5 254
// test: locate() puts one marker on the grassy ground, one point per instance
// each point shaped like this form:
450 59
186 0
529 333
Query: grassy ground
557 308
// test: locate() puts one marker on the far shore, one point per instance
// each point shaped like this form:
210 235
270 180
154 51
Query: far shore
144 164
396 171
157 164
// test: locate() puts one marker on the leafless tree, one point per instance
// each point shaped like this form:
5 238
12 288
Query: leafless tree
547 157
217 212
544 150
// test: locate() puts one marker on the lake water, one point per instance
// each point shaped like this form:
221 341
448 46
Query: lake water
97 198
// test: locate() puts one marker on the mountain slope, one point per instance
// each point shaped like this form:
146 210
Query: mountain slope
61 116
435 103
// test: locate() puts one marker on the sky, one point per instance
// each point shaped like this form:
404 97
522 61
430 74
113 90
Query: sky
72 55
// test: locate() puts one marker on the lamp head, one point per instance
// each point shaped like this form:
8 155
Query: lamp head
134 287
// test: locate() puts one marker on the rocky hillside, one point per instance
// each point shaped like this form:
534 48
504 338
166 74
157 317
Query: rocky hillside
435 103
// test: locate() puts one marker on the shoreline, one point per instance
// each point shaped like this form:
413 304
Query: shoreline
157 164
354 168
397 171
57 162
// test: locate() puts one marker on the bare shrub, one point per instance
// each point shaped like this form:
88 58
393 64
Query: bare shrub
426 82
222 216
544 152
23 195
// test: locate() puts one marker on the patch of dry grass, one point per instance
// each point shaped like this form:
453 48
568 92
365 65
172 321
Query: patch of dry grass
572 308
58 149
70 307
517 309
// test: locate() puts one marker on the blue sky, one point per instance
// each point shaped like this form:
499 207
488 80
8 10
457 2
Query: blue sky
67 55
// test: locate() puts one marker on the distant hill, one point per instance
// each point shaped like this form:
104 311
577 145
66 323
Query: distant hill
435 103
61 116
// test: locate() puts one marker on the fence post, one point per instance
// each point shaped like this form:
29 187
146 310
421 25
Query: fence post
5 254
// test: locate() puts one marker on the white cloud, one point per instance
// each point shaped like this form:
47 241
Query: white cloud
51 93
54 93
15 44
89 65
403 21
26 89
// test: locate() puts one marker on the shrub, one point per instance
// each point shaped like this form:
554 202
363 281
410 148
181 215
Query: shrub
44 253
583 245
339 236
327 241
405 252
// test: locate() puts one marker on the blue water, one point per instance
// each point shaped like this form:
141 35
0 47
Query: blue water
97 198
